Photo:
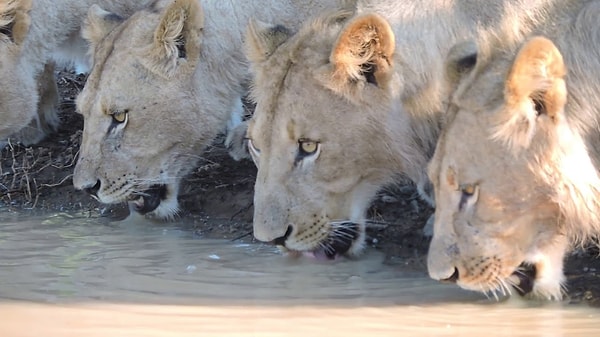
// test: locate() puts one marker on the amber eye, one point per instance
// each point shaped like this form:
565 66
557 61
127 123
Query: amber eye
308 147
120 116
468 189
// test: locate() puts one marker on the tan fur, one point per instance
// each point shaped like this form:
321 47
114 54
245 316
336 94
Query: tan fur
15 13
177 70
523 133
34 35
369 42
369 87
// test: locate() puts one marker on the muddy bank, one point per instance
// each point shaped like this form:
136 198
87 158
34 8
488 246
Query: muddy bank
217 198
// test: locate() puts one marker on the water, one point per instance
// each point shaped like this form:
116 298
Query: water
68 276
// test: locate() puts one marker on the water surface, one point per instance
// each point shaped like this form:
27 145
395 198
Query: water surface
62 275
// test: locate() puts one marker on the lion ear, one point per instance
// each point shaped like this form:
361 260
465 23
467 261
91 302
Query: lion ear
177 37
262 39
461 59
363 51
535 87
537 76
15 20
98 24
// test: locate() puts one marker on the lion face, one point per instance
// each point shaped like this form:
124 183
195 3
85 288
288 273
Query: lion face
503 173
321 134
310 193
144 127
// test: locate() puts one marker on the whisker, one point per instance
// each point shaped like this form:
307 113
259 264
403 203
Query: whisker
486 291
343 235
504 286
156 180
140 193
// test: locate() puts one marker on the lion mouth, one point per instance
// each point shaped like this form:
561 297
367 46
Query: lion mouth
523 278
148 200
337 243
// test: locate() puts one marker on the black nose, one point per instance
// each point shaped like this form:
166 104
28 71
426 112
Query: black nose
453 278
280 241
94 189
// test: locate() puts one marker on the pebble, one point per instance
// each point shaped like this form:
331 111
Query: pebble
191 268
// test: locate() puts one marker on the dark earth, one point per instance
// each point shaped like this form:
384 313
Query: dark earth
217 199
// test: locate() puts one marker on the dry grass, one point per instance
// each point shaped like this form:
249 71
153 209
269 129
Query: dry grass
26 171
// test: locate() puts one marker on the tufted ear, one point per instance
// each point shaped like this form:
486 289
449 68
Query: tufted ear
537 76
535 87
363 52
461 59
98 24
262 39
14 20
176 38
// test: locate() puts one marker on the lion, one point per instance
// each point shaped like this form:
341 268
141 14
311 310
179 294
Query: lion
516 167
164 83
352 102
33 36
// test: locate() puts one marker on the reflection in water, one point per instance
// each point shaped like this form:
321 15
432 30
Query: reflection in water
65 276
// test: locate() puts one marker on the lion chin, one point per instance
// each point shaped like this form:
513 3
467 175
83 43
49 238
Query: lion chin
157 201
343 239
524 281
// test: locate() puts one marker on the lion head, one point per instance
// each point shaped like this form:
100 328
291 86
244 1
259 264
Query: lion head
326 133
514 180
144 129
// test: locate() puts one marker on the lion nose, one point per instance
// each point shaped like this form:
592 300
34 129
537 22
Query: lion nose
93 190
453 278
280 241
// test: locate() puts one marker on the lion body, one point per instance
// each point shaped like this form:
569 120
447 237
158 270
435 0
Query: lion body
179 71
37 33
369 87
516 169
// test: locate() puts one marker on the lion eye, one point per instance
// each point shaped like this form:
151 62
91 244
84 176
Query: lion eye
308 151
468 195
468 190
307 147
120 116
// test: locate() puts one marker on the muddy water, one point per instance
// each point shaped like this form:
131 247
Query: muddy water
68 276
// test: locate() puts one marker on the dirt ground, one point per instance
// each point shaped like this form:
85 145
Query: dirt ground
217 198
